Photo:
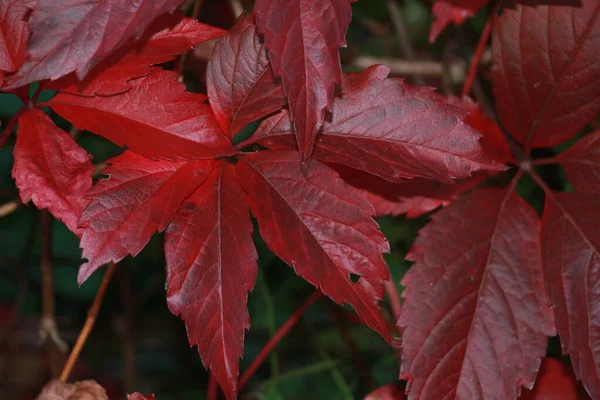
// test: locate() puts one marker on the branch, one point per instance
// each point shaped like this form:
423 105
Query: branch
275 339
402 34
185 57
89 323
10 207
403 67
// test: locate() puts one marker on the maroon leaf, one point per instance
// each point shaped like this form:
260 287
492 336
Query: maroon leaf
476 315
138 199
240 82
51 169
211 266
156 118
74 35
303 38
582 163
546 69
166 37
391 129
13 34
571 254
393 391
452 11
555 382
318 225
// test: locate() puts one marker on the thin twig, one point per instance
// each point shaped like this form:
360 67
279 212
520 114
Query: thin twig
276 338
236 7
476 59
185 57
393 298
423 68
89 323
10 207
397 18
48 329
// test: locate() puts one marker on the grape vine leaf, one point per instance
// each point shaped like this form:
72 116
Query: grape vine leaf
207 280
319 226
167 37
475 315
571 254
156 118
74 35
51 169
13 35
390 129
303 38
139 198
545 71
240 82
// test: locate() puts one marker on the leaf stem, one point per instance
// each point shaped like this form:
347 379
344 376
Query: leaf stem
276 338
11 124
89 323
544 161
476 59
393 298
213 388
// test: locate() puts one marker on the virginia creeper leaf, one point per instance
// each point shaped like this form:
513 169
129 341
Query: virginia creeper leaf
452 11
167 37
392 391
303 38
475 315
156 118
546 69
83 390
139 396
51 169
211 266
138 199
391 129
571 254
240 82
318 225
74 35
13 34
582 163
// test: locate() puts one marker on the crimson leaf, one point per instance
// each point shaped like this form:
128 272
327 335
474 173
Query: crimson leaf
211 266
452 11
318 225
138 199
156 118
571 254
303 38
582 163
391 129
13 35
74 35
475 315
240 82
165 38
51 169
546 69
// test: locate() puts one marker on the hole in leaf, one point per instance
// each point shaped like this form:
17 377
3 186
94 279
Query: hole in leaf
354 278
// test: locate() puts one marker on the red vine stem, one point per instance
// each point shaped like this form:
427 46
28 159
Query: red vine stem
213 388
394 298
89 323
11 124
544 161
483 39
274 341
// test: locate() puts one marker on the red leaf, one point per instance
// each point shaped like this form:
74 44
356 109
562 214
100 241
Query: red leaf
447 12
315 223
303 38
139 198
84 390
240 82
571 254
51 169
156 118
475 314
211 266
555 382
139 396
390 129
166 37
546 69
74 35
582 163
13 34
393 391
